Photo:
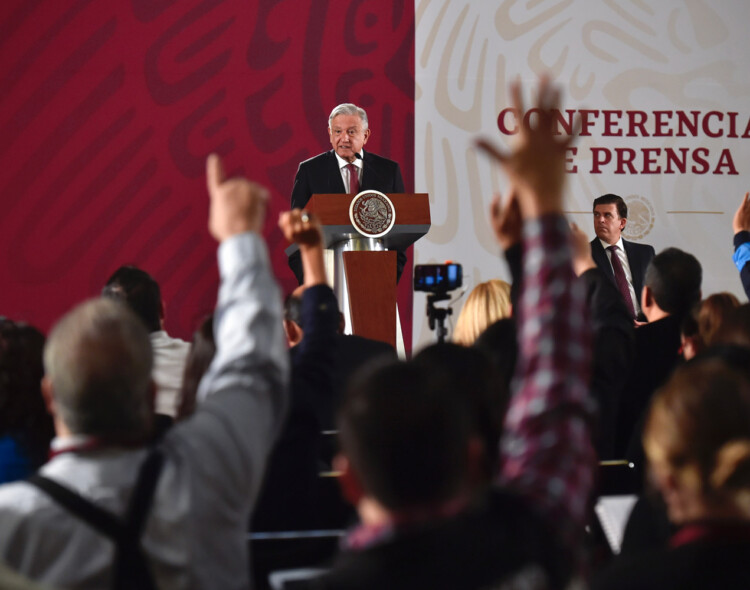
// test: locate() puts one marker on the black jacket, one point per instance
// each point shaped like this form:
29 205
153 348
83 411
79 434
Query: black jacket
321 174
639 256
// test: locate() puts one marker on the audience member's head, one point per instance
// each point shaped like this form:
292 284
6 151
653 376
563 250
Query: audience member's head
140 292
697 439
672 284
736 329
472 376
713 313
487 303
405 433
23 414
499 342
293 317
98 364
202 351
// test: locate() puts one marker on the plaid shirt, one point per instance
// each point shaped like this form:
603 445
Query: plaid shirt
546 449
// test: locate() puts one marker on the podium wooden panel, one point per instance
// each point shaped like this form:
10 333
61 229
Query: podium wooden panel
370 276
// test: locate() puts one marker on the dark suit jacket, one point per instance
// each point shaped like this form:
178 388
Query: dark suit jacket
350 353
639 255
321 174
614 352
657 353
291 493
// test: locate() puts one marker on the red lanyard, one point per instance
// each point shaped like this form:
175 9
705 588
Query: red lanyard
92 443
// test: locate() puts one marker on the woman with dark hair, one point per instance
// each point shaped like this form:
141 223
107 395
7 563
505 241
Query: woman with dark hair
26 428
713 313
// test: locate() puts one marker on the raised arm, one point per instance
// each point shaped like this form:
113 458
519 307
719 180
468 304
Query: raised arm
242 397
741 227
302 228
314 358
547 454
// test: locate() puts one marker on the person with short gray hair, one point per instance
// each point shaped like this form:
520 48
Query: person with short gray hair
346 169
348 108
113 508
100 389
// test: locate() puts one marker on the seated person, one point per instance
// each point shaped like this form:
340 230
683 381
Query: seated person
141 293
26 428
697 440
713 313
487 303
350 352
186 500
702 327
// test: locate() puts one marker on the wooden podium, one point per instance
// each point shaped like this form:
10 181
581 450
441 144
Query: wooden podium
364 268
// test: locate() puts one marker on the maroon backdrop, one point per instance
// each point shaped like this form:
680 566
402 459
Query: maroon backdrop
108 109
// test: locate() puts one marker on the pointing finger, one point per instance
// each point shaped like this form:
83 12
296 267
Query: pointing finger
214 172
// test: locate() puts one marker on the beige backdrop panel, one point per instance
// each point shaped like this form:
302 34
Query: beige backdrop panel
675 55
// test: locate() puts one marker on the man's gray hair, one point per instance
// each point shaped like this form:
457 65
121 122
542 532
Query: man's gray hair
98 358
348 108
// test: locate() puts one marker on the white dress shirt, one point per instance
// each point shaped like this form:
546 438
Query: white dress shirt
170 355
345 171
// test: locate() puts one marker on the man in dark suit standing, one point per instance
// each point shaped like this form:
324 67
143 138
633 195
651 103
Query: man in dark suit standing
346 169
622 261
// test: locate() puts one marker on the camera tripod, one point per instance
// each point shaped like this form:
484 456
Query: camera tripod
437 315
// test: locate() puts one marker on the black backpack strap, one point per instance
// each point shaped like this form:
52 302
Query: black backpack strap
99 519
131 569
143 494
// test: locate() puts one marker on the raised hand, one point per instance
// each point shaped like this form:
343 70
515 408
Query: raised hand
237 205
304 229
300 227
536 162
741 220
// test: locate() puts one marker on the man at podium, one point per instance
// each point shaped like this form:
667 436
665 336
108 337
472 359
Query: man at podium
346 169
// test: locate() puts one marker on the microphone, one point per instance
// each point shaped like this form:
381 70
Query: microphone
357 155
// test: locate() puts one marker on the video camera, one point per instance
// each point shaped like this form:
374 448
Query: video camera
437 278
